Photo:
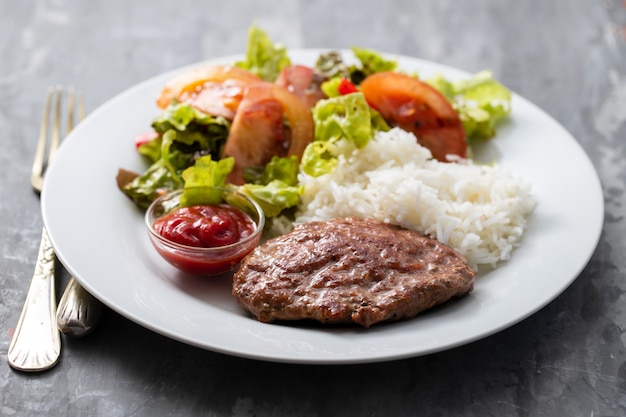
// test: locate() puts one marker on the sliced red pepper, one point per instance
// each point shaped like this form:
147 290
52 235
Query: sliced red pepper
346 87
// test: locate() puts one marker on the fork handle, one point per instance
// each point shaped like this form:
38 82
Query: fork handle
36 342
79 312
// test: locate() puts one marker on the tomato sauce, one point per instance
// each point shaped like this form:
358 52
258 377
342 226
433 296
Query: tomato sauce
206 226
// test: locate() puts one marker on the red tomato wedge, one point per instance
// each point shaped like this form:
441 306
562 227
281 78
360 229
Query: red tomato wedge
185 85
415 106
219 98
303 82
258 132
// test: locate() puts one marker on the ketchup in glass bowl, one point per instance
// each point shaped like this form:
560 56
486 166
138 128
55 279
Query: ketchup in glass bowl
205 239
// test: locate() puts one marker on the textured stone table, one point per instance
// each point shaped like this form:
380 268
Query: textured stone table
566 56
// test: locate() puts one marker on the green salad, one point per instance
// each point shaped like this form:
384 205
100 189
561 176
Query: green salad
185 147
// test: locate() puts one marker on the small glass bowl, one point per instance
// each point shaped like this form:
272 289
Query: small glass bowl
204 261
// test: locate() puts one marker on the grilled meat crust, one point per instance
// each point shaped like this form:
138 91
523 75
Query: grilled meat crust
351 270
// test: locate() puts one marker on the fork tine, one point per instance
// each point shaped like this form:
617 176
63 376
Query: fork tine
55 138
37 169
81 107
75 107
70 110
39 162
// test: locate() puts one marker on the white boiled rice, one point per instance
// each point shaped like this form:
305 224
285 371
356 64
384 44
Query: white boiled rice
479 210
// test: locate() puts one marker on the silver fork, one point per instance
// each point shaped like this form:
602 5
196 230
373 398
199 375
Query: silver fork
78 312
36 342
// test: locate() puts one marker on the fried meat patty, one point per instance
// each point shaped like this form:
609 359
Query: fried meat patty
349 270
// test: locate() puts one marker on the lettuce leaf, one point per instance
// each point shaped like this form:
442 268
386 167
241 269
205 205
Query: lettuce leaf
273 197
443 85
373 62
319 158
343 117
276 188
263 57
284 169
151 149
199 179
331 65
341 123
280 192
481 101
183 135
331 87
147 187
193 127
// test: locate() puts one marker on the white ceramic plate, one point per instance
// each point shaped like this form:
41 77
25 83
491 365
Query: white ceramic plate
99 236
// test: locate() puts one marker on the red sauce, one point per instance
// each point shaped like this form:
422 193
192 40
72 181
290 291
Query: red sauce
205 226
210 226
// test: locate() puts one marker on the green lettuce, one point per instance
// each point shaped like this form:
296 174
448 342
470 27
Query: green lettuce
331 65
343 117
331 87
373 62
481 101
284 169
194 129
154 182
341 123
276 187
183 135
319 158
273 197
200 178
278 193
263 57
151 149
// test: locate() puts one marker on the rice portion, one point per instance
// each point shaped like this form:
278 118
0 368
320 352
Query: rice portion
481 211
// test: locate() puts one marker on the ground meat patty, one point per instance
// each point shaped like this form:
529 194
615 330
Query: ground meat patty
349 270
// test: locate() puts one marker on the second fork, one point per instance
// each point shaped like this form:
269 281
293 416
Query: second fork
36 344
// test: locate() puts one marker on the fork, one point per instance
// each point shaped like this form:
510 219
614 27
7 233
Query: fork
78 312
36 342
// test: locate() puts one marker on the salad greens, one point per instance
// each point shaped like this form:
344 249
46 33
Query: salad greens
276 187
150 185
337 119
343 117
200 178
273 197
182 135
332 66
481 102
263 57
186 146
371 63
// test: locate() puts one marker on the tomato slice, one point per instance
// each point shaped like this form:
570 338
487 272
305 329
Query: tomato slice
219 98
417 107
187 84
257 132
303 82
299 118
